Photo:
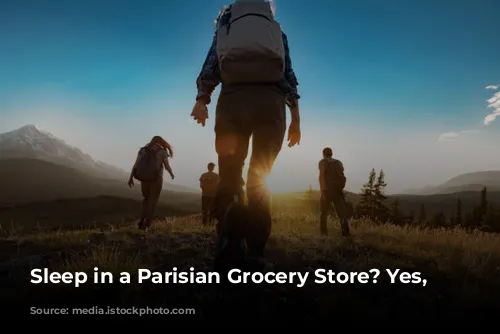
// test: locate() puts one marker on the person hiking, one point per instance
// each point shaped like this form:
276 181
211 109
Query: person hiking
332 182
208 185
148 169
250 57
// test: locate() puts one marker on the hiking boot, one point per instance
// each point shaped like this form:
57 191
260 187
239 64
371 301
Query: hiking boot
230 250
145 225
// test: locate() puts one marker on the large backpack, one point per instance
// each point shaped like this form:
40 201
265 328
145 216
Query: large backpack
334 175
147 169
250 46
210 181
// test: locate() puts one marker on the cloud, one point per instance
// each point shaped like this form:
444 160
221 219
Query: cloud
492 87
451 136
493 103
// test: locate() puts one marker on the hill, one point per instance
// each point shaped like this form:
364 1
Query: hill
460 270
467 182
33 180
30 142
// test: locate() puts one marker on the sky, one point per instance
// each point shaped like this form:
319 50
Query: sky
410 87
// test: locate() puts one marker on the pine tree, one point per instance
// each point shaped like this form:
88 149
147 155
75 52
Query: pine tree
381 211
366 204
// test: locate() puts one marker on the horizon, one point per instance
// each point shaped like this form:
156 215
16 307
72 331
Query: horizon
386 91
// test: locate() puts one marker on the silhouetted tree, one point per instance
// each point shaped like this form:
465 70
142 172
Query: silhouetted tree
381 211
366 206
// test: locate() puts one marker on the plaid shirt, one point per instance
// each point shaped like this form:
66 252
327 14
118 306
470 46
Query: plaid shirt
209 77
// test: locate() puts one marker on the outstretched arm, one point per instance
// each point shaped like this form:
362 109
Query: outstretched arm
167 165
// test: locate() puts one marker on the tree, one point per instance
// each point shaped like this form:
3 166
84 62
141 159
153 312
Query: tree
381 211
366 203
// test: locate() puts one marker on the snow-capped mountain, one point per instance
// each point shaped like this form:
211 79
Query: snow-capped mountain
32 142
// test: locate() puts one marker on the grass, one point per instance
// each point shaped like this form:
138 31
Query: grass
461 270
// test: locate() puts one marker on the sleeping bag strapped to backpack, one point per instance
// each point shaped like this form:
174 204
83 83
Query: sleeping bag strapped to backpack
250 46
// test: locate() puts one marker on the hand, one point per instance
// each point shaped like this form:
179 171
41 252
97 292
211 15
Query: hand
294 133
200 112
131 182
172 176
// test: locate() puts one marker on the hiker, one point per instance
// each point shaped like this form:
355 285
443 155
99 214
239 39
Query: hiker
208 185
257 82
332 182
148 169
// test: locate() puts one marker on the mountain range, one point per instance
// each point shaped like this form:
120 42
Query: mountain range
35 166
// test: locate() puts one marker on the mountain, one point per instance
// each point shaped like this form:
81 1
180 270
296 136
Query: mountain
30 142
474 181
35 180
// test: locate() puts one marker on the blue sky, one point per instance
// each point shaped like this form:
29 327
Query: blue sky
380 81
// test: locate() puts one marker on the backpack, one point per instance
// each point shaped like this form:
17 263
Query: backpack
334 175
210 181
250 47
147 167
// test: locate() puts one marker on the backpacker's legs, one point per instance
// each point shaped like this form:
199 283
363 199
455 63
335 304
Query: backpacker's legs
268 136
340 205
232 149
324 206
151 193
206 206
342 212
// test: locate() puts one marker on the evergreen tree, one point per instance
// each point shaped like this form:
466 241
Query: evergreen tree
381 211
366 204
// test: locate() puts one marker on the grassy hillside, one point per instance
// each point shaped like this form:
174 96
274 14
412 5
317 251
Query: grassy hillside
461 272
69 214
30 180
